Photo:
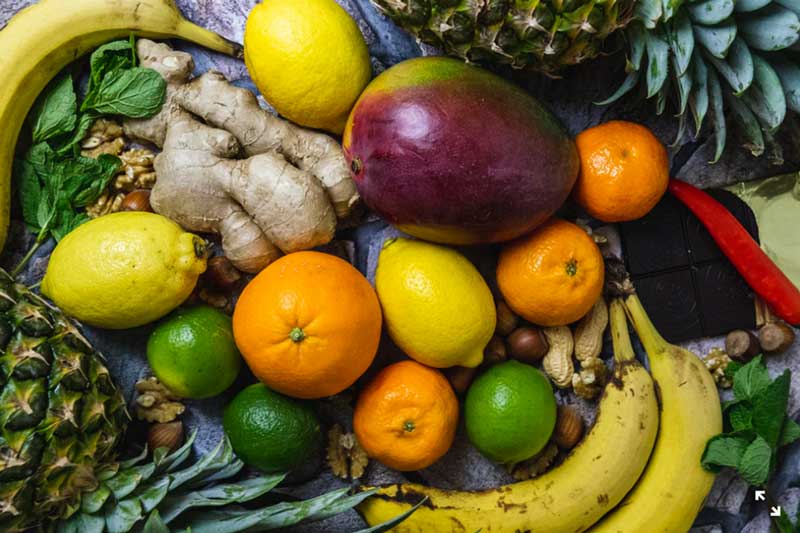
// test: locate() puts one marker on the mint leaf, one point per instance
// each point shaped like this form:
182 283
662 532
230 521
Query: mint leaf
754 465
790 433
137 92
56 111
769 409
108 59
722 451
66 145
740 416
30 192
96 174
732 368
751 379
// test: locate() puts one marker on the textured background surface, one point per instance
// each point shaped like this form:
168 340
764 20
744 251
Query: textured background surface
730 507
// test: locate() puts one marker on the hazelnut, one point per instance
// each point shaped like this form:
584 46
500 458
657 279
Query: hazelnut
138 200
165 435
569 427
507 320
495 352
528 345
460 377
742 345
776 337
221 273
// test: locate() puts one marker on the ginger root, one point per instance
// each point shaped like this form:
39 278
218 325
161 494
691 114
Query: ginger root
285 194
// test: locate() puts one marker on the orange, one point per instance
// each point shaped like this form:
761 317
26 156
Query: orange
553 276
406 417
624 171
308 325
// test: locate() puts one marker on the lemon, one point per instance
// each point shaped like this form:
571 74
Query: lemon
437 307
124 270
309 60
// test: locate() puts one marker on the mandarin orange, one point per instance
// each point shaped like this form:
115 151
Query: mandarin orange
406 417
553 276
624 171
308 325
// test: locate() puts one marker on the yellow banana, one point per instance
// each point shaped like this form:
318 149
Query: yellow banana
673 487
570 498
42 39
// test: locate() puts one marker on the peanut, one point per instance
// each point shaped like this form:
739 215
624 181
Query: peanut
557 362
589 333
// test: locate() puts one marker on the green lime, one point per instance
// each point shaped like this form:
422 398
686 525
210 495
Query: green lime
192 352
270 431
510 412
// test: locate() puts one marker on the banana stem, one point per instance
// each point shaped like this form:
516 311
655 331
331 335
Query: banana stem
620 337
651 339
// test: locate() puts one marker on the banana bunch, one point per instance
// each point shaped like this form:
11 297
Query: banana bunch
659 480
42 39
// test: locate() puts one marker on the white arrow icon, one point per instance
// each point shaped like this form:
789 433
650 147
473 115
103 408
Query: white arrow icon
761 495
775 511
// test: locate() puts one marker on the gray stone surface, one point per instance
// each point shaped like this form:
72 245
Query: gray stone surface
730 505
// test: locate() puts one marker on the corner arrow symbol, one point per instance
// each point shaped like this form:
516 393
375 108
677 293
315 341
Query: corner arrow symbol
761 495
775 511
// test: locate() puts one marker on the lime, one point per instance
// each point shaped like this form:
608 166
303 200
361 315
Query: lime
192 352
510 412
270 431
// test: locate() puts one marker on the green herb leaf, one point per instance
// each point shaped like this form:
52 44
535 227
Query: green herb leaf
30 192
790 433
722 451
754 466
55 112
137 92
741 416
751 379
769 409
106 60
68 144
732 368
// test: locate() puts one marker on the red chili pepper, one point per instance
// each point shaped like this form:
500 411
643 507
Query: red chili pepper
755 266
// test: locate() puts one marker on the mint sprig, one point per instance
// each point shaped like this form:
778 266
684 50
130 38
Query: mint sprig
756 425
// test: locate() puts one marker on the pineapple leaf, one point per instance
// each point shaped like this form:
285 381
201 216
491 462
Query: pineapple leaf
737 68
649 12
747 6
682 120
661 99
718 112
121 517
133 461
397 520
748 125
682 42
667 9
218 495
791 5
227 472
635 35
683 84
154 524
765 96
631 80
772 28
218 459
710 12
716 39
698 98
82 523
789 74
126 481
91 502
657 62
172 462
155 493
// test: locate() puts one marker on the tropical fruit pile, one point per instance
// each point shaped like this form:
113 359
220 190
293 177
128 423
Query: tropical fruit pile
181 207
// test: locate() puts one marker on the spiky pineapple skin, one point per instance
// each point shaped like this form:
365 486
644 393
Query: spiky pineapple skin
61 415
546 35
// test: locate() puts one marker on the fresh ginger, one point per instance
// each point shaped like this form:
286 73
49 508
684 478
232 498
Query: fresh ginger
284 196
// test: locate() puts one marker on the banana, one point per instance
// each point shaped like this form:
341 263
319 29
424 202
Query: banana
42 39
673 487
570 498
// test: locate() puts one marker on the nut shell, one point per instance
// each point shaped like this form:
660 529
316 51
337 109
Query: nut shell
460 377
527 344
495 352
138 200
507 320
221 273
569 427
590 330
165 435
776 337
557 363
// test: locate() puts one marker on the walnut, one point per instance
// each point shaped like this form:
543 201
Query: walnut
536 465
104 137
108 202
137 170
717 362
155 403
346 457
589 382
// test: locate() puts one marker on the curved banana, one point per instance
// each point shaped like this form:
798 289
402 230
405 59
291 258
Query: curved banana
673 487
42 39
570 498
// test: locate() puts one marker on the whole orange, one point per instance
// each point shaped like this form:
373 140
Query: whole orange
624 171
406 417
308 325
553 276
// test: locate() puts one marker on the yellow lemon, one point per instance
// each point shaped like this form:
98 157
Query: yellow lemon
438 309
124 270
309 60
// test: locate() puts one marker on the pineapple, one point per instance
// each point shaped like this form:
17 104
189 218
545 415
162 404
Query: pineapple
543 34
61 416
712 56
